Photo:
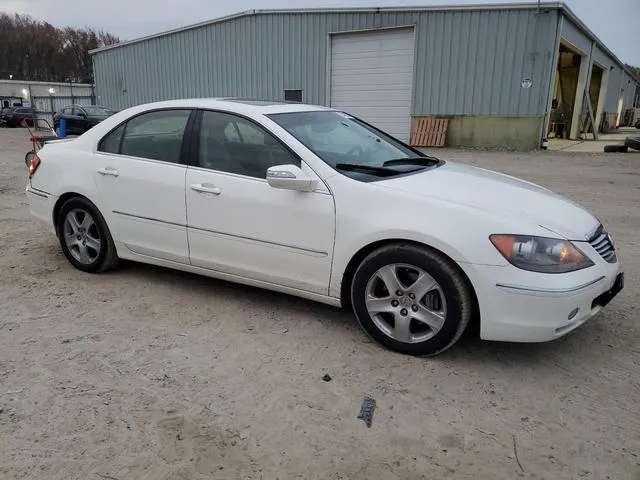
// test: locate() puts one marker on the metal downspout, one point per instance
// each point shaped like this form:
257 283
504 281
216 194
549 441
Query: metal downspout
552 74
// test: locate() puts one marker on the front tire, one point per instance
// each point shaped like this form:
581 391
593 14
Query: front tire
84 236
412 299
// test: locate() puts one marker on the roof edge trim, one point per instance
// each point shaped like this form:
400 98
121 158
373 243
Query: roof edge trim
247 13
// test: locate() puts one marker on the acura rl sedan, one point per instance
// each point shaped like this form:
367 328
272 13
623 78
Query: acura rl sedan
317 203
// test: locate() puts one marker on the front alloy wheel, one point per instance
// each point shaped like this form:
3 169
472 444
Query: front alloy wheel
412 299
406 303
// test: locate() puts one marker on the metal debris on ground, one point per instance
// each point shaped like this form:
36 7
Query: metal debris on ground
366 410
515 452
14 392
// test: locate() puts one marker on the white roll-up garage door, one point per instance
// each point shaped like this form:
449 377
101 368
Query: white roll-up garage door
372 77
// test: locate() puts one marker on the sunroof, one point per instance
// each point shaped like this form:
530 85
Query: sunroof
258 103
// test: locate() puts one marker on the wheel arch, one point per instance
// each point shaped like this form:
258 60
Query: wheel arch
62 199
360 255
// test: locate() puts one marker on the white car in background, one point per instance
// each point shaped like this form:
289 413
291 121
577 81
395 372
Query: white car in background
313 202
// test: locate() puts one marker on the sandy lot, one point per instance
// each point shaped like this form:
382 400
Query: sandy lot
145 373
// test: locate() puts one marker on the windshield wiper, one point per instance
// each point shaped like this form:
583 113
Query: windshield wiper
380 171
424 161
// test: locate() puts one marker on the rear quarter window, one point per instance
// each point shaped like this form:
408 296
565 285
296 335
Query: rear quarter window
111 143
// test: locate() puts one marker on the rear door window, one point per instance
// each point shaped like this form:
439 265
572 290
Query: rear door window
155 135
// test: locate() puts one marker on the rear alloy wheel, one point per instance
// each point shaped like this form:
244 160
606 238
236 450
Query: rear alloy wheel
84 236
412 300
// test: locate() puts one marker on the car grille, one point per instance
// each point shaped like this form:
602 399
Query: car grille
601 242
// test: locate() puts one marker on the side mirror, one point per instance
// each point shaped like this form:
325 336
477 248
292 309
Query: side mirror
290 177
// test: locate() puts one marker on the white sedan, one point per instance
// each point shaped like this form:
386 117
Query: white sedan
314 202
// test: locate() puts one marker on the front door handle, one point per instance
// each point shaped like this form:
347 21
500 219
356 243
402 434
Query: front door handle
206 188
108 171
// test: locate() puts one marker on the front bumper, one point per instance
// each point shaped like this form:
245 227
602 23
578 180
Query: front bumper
519 306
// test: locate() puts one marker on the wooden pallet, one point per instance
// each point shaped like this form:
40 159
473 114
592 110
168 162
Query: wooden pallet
430 132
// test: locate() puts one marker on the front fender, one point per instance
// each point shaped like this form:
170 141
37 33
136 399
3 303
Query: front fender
459 231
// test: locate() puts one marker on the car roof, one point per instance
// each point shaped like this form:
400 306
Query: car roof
238 105
83 106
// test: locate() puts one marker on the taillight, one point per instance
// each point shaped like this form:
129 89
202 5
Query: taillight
33 165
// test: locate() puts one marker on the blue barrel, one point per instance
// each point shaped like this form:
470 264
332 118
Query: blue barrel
62 127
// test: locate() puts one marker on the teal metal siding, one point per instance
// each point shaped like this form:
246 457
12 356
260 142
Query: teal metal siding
629 86
573 35
468 62
613 90
619 83
473 63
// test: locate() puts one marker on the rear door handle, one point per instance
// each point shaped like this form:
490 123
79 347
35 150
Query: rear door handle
206 188
108 171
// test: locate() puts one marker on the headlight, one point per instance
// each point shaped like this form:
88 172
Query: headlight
540 254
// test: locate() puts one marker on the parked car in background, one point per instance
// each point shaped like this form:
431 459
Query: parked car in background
4 110
314 202
80 118
13 117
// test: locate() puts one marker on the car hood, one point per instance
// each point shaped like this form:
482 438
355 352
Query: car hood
499 194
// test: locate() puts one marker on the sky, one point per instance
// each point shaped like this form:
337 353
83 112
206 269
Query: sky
615 22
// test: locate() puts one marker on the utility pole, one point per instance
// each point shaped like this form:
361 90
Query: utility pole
70 79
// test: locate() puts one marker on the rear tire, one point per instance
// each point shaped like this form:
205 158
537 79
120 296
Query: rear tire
632 142
616 148
84 236
412 299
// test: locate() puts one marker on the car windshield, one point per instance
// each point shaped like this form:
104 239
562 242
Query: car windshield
350 145
98 111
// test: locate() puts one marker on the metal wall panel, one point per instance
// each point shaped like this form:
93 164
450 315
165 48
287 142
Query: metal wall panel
629 86
615 84
573 35
474 62
602 59
469 62
613 90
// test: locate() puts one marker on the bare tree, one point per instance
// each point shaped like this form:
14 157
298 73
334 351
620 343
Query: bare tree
634 70
34 50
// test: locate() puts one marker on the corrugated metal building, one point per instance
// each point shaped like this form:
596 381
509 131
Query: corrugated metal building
492 70
45 97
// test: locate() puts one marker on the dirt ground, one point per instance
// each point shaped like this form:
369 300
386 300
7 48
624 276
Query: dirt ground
149 374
